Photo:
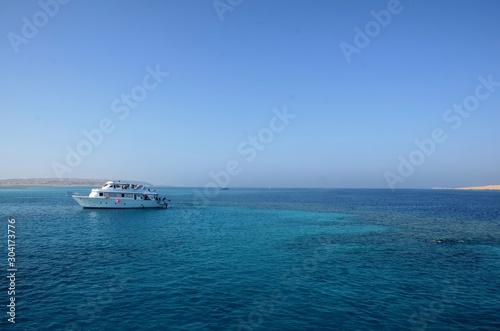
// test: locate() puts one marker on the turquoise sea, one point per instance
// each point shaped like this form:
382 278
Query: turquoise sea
255 259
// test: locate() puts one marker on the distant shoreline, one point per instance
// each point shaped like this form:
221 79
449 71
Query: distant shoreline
49 185
85 182
471 188
63 182
480 188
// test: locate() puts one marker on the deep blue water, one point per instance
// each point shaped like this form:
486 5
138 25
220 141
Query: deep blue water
255 259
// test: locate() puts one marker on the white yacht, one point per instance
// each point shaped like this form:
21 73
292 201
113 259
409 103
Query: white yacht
117 194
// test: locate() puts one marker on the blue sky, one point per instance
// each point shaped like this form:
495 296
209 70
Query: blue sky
355 118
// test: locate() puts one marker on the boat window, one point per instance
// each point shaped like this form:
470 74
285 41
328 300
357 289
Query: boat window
123 195
100 194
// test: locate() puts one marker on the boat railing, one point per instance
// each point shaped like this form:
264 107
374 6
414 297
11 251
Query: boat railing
75 194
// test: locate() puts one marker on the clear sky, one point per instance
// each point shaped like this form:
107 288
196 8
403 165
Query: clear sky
254 93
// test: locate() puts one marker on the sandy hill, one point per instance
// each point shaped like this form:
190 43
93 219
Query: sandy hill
481 188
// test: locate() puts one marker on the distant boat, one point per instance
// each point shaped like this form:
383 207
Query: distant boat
225 188
120 195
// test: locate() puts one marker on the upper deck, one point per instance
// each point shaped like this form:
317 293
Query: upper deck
122 188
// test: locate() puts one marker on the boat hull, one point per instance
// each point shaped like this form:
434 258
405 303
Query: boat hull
102 203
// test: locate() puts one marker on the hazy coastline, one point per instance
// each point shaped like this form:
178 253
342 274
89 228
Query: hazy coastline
481 188
59 182
100 182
